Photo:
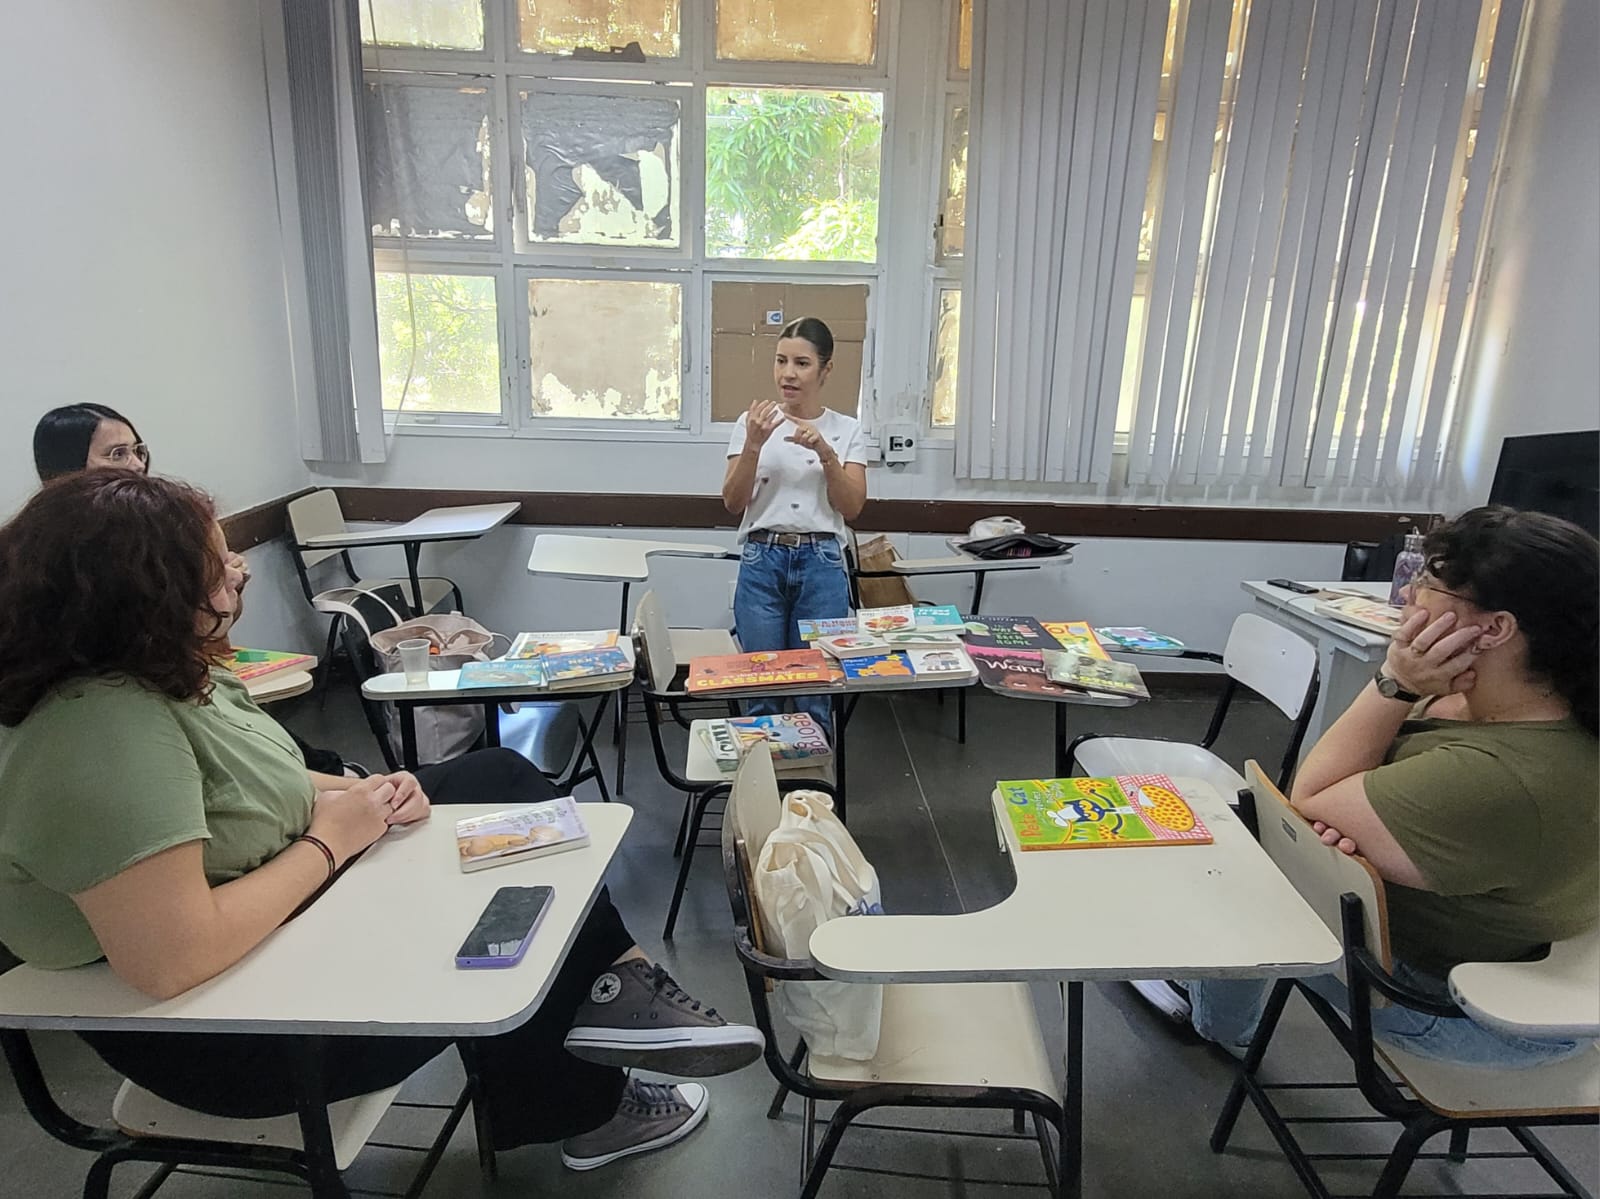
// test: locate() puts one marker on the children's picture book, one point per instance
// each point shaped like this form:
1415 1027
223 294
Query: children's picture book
1136 639
789 737
938 618
1020 671
952 662
886 620
1137 809
1008 632
583 667
853 645
1099 676
508 673
253 663
532 645
1075 634
920 639
812 630
517 833
1374 615
887 666
767 669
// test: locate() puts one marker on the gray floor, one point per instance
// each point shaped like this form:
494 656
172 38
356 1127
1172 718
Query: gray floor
919 809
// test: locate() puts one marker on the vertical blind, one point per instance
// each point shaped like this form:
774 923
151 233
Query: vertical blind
1317 196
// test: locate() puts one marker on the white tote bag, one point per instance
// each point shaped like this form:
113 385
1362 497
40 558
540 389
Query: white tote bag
811 871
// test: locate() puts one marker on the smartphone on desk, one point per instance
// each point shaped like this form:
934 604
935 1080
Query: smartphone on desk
1291 585
505 930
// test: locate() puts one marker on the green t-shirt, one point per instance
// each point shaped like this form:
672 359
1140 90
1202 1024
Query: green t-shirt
1502 820
105 772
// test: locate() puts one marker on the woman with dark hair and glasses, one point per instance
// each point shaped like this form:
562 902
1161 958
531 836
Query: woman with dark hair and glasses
84 436
1466 773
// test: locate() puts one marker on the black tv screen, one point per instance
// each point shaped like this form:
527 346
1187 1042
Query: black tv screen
1554 473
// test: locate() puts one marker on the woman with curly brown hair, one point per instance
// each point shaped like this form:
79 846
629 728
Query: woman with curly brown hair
152 815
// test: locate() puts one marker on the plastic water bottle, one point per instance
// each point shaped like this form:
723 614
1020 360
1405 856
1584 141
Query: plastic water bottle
1407 566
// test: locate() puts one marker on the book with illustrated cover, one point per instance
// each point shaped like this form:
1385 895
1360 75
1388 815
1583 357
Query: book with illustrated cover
1015 670
1008 632
789 736
507 673
253 663
938 618
1082 813
888 666
1136 639
767 669
952 662
896 619
583 667
811 630
853 645
1101 676
532 645
1075 634
519 833
1374 615
922 639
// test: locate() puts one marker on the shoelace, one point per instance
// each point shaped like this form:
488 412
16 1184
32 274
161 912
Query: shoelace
665 986
650 1098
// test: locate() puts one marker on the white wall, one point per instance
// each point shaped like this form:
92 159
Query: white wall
1535 360
142 263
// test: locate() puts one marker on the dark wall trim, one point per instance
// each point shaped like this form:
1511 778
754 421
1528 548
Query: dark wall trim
614 510
265 522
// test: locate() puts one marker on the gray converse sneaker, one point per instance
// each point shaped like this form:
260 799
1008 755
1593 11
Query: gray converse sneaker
652 1115
637 1016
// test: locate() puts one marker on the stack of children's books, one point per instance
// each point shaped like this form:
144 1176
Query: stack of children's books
1055 658
793 738
554 661
254 663
900 643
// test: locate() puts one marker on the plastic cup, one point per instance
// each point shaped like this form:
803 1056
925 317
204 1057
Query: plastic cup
414 660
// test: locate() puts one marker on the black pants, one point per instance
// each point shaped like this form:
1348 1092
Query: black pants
536 1090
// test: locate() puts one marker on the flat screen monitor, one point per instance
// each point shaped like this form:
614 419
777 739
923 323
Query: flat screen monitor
1554 473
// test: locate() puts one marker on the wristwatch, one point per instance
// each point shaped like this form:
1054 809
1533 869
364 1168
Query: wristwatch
1391 689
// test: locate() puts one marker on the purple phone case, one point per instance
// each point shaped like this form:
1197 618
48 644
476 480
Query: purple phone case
522 948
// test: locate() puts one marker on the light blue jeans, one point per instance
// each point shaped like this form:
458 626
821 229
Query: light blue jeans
778 586
1227 1010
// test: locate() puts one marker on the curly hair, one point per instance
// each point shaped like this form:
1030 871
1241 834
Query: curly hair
1544 571
104 573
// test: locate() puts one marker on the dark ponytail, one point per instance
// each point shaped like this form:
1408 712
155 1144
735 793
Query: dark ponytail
1544 571
809 328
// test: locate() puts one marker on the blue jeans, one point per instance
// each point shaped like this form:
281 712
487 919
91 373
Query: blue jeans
1227 1010
778 586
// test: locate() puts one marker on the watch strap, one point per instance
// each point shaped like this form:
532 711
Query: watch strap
1390 688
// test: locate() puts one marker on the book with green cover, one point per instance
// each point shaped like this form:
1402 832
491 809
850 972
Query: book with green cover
1083 813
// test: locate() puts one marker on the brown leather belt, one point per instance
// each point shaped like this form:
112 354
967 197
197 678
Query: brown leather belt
792 540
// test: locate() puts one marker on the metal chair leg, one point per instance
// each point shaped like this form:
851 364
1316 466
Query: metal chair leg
1223 1129
702 802
796 1059
1404 1153
1458 1143
825 1151
97 1183
808 1140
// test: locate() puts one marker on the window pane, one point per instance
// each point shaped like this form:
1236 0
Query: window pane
599 348
562 26
429 24
953 205
792 174
746 318
844 31
428 161
964 37
946 350
601 170
450 351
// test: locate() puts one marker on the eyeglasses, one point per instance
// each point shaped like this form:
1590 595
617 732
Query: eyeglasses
122 455
1433 584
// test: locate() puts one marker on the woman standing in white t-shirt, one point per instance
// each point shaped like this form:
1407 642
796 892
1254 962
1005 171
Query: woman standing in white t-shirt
796 474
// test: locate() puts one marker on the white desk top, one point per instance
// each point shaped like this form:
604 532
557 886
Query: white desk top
374 956
436 524
280 684
445 684
1194 911
613 559
1304 607
1556 997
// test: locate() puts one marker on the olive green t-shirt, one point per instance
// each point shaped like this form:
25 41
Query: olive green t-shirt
105 772
1502 820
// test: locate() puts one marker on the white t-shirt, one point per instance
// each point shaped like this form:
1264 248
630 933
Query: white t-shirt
790 493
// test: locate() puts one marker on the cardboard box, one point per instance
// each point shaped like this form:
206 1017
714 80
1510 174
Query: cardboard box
745 321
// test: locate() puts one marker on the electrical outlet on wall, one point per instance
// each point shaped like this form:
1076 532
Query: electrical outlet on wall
899 440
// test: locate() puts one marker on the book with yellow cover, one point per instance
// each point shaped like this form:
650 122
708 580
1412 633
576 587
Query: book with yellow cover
766 670
253 663
1075 634
1135 809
